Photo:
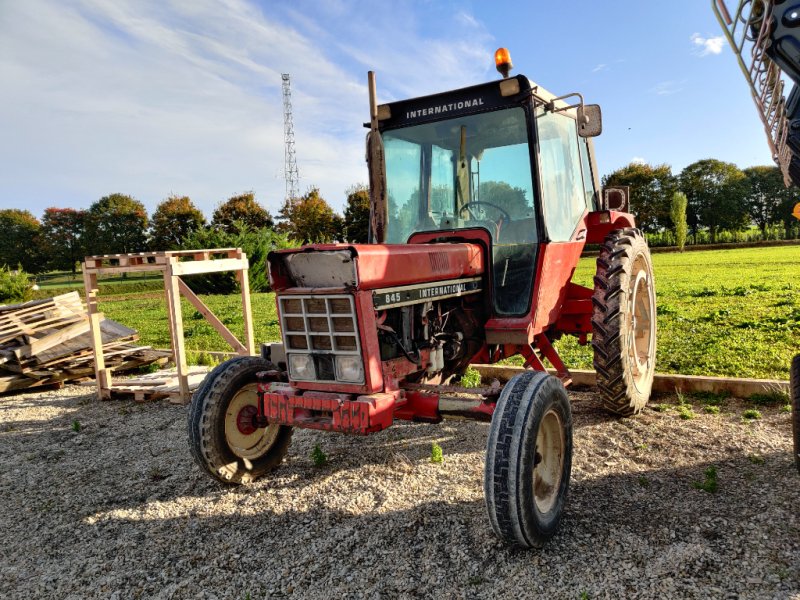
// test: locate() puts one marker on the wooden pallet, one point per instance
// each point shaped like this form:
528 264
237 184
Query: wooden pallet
155 386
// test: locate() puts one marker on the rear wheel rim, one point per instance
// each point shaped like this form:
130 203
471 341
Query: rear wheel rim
641 340
244 439
549 461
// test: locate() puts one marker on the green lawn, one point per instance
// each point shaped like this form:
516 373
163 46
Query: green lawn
722 312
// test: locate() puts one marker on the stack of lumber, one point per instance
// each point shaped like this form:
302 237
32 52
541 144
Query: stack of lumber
48 341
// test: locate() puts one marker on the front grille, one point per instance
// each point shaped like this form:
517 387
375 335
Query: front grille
320 325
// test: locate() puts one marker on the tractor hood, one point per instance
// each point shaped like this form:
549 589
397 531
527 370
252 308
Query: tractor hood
372 266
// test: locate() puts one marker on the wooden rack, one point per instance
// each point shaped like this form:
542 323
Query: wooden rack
173 265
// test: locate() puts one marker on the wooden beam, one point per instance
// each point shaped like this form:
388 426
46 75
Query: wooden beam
53 339
247 311
100 372
178 346
737 387
208 266
211 317
131 269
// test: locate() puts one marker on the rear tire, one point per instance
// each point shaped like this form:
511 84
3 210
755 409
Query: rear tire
624 322
222 439
528 459
794 385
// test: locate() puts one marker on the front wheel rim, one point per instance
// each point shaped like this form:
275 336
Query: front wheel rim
548 461
242 437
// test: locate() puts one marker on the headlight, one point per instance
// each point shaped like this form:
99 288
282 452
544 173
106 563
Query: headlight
350 369
301 366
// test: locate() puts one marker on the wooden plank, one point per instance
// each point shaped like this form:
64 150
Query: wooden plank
208 266
174 306
737 387
193 381
33 330
97 348
54 339
247 312
212 251
143 382
170 318
131 269
212 318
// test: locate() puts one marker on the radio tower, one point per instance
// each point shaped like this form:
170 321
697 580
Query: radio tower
291 175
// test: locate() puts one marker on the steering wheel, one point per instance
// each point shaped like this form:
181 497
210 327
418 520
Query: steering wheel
468 205
504 216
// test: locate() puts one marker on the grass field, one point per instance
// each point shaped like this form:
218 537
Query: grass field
723 312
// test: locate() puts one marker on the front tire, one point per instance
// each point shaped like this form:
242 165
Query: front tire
624 322
528 459
794 388
222 436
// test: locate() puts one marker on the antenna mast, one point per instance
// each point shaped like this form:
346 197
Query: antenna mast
291 174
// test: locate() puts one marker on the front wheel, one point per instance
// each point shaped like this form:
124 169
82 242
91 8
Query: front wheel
528 459
224 436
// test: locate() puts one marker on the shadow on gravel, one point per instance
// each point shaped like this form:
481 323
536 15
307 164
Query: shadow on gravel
619 537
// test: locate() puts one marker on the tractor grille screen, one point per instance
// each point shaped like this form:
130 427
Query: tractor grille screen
320 327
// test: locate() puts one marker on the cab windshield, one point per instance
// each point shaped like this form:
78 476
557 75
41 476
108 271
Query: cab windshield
472 171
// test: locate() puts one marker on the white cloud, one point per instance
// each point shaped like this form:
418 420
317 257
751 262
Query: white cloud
666 88
638 160
705 46
600 67
149 98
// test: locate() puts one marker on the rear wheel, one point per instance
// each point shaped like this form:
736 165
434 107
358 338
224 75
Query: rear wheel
528 459
794 385
624 322
223 434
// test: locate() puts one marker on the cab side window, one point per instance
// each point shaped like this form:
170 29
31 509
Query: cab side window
563 192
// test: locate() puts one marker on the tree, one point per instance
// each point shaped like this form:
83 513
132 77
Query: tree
765 194
356 215
500 193
116 224
310 219
173 220
256 243
715 192
63 237
239 209
677 212
651 190
20 240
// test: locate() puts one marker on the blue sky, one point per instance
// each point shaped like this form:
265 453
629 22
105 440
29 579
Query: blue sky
150 98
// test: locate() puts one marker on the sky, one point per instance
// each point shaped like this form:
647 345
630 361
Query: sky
153 98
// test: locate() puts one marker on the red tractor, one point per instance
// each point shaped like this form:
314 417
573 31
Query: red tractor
482 200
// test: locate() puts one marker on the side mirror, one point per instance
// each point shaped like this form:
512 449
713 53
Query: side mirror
590 120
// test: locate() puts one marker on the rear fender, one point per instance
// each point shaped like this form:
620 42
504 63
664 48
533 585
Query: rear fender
602 222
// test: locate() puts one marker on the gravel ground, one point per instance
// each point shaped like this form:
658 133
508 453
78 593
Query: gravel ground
119 510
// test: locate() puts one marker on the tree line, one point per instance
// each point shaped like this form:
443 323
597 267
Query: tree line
720 199
119 224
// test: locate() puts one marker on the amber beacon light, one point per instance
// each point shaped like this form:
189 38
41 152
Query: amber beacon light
502 59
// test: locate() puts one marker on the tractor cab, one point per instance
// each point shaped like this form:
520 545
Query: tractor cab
504 157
